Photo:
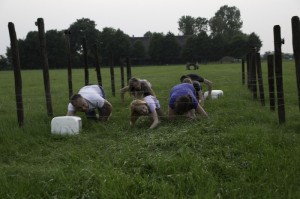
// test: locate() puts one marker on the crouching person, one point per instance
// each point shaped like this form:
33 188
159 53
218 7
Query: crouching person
89 99
148 106
183 101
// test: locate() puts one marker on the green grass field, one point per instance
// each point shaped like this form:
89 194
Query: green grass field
240 151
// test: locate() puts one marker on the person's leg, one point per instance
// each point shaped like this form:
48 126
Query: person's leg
159 113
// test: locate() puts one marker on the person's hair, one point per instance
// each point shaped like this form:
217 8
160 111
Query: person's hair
134 106
187 80
145 88
143 91
130 83
183 77
74 98
183 104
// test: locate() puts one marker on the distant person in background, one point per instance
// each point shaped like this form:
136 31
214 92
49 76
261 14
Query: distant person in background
197 83
89 99
183 101
137 88
148 106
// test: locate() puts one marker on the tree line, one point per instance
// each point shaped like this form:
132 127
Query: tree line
204 39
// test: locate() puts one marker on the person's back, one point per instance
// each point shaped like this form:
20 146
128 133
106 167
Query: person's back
183 89
89 99
183 101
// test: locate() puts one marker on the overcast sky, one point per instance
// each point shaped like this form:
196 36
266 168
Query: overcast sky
135 17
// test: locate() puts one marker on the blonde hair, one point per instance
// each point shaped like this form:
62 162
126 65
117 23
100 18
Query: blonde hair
187 80
134 106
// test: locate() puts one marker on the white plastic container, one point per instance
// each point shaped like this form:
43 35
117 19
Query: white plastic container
66 125
215 94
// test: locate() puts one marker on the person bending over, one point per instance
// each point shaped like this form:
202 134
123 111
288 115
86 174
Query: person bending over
197 83
148 106
183 101
137 88
89 99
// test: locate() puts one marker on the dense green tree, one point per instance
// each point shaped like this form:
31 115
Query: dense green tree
113 42
29 51
196 48
254 41
121 44
83 28
201 25
218 48
171 49
156 47
227 22
138 50
56 49
4 63
148 34
203 43
192 26
187 25
238 46
189 52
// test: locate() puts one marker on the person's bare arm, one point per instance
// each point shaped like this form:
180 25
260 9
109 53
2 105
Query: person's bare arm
105 111
201 98
209 87
147 88
201 111
155 119
123 91
70 113
170 113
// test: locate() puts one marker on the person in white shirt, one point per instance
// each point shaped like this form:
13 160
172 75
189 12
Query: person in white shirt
148 106
89 99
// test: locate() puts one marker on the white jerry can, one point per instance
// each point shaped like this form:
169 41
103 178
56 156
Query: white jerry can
66 125
215 94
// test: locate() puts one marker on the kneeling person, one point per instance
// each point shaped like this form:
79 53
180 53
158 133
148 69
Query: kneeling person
148 106
183 101
88 99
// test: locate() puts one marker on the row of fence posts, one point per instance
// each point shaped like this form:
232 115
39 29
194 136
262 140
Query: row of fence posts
254 72
43 51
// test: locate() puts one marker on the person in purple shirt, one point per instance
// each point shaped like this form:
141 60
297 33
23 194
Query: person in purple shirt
197 83
183 101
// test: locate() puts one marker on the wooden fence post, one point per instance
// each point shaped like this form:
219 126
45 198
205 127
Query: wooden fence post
296 48
278 71
253 74
243 72
271 82
112 76
99 78
260 80
248 70
42 38
67 34
17 73
122 73
85 58
128 67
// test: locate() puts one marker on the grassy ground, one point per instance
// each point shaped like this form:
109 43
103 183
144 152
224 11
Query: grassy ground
240 151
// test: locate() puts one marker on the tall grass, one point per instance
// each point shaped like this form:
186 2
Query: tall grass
240 151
